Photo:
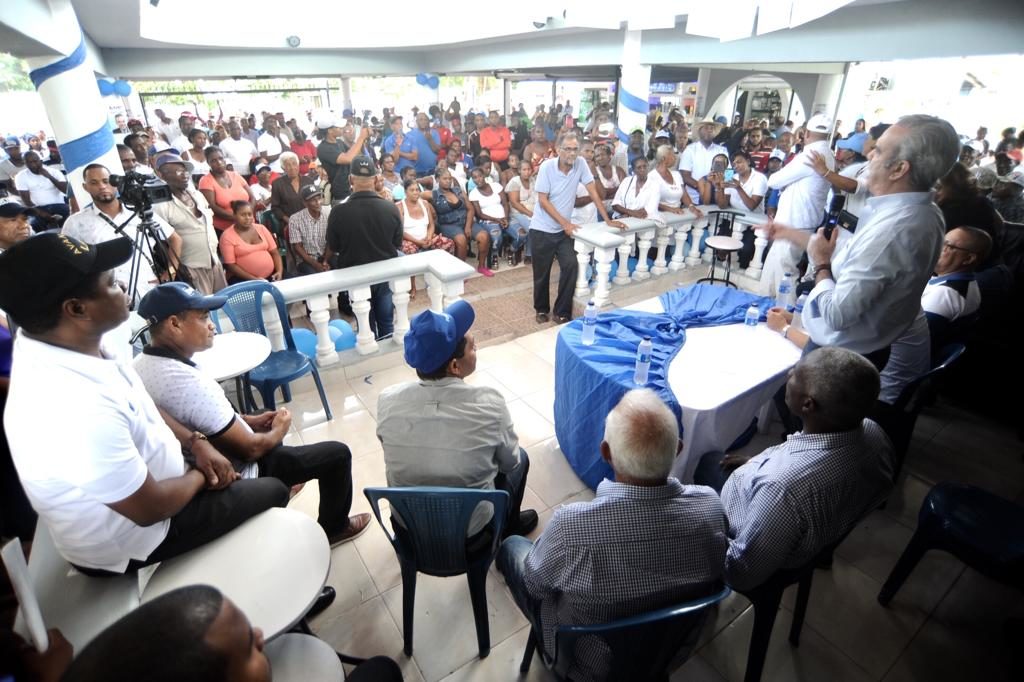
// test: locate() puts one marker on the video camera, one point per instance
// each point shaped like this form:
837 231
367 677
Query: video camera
139 192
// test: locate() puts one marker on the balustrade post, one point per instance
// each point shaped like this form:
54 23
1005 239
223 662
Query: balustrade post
644 240
664 236
360 299
603 258
697 232
273 324
622 275
320 316
435 292
400 297
583 251
760 242
679 252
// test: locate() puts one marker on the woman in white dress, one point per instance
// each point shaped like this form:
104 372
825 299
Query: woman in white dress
674 197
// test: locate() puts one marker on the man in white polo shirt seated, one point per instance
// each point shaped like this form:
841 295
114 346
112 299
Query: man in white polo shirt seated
180 326
100 466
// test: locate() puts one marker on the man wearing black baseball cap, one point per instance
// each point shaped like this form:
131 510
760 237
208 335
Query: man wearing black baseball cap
366 229
113 487
180 327
442 431
307 232
14 225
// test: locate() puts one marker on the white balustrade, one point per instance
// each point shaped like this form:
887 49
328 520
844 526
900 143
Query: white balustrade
664 236
443 273
644 241
697 234
583 253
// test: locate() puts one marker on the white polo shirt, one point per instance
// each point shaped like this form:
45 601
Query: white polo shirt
270 145
84 434
697 159
41 191
193 398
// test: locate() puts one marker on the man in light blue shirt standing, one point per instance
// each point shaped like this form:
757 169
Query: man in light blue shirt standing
400 146
551 230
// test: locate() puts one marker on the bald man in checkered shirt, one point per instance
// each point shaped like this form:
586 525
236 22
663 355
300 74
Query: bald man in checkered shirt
645 542
791 501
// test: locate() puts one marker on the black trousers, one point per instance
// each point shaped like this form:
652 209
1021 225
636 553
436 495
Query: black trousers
547 246
330 463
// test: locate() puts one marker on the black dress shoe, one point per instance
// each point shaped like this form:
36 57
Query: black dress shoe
524 526
562 319
326 598
542 318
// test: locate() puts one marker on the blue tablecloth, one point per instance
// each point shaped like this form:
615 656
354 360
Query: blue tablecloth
590 380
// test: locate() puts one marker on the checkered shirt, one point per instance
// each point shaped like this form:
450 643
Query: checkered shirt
792 500
302 227
630 550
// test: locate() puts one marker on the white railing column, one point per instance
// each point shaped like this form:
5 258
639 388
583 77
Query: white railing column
698 233
603 266
273 323
320 316
453 291
662 240
583 251
435 292
622 275
760 242
400 297
679 252
360 299
644 240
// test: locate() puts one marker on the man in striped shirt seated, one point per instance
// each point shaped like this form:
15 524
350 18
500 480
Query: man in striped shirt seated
645 542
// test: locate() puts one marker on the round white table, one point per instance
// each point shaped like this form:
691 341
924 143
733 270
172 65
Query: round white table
272 567
233 354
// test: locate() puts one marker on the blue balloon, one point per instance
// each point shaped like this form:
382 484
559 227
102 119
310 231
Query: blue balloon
106 87
122 88
346 337
433 82
305 341
421 79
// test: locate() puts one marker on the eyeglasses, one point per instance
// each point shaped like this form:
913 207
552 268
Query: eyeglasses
571 150
950 245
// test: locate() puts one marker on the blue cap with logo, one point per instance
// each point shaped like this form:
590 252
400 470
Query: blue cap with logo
175 297
854 143
433 337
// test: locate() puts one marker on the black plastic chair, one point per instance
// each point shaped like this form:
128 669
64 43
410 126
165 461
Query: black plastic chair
642 647
434 542
245 310
984 531
722 244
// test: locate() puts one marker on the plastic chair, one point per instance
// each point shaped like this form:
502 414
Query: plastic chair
722 246
643 647
434 542
984 531
245 310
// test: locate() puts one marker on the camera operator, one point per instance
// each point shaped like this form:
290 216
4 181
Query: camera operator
99 222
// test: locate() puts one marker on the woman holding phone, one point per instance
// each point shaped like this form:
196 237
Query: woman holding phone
745 188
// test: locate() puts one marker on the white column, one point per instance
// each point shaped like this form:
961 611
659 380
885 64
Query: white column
274 325
698 233
662 240
507 99
320 316
400 297
435 292
644 240
700 107
760 242
603 258
583 251
622 274
67 87
634 88
360 299
453 291
678 253
346 92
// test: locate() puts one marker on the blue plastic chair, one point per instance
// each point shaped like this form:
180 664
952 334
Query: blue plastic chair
245 310
643 647
434 542
984 531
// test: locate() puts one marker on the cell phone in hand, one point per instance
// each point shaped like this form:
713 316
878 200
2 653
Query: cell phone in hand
834 209
729 174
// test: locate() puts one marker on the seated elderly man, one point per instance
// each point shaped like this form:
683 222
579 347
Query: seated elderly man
307 232
180 326
645 542
113 487
442 431
791 501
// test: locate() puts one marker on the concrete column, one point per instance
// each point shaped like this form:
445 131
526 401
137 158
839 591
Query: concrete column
67 87
826 94
346 92
634 87
703 80
507 87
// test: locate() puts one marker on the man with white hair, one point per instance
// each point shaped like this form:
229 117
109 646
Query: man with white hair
794 499
646 541
868 289
801 204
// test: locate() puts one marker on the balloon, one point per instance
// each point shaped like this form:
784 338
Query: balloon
305 341
346 337
106 87
122 88
421 79
433 82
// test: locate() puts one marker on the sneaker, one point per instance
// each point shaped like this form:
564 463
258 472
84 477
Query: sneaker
524 525
495 262
486 272
357 525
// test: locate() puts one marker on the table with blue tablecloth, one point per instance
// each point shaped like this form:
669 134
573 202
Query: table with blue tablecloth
714 372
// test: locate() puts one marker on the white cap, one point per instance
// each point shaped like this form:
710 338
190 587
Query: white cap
606 129
329 120
820 123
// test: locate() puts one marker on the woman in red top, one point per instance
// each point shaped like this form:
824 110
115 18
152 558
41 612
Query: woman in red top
221 187
496 139
304 149
248 249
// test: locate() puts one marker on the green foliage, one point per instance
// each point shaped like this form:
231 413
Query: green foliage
14 74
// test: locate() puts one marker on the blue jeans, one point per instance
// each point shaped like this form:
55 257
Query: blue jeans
511 561
382 311
494 229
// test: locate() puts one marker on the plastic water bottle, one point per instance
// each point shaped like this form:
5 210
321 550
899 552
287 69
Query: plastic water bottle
785 298
753 315
589 325
643 362
798 311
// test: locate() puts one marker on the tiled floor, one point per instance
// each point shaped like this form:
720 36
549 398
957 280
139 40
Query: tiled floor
945 624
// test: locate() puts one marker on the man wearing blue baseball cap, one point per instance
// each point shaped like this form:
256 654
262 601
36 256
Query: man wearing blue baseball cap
443 431
180 326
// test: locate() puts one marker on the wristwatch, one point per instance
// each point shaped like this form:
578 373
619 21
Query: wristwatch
194 438
785 330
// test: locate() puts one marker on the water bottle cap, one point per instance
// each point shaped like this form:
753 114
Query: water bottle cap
647 338
590 302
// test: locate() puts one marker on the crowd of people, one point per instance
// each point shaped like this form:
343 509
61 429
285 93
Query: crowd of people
152 460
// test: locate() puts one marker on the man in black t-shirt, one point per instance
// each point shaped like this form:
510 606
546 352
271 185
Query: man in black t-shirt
339 147
366 229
